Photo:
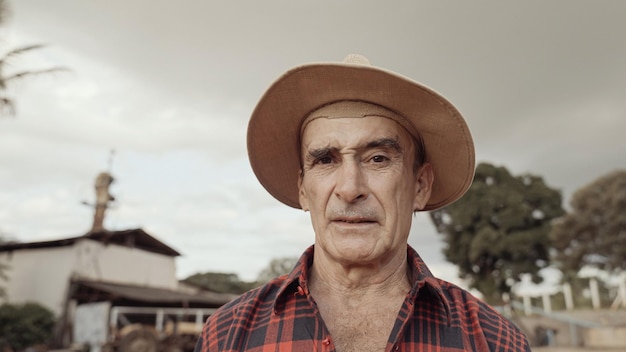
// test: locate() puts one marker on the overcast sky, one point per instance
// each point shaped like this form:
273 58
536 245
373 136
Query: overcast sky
169 85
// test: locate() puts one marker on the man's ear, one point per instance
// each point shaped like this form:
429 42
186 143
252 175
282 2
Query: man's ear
302 197
423 186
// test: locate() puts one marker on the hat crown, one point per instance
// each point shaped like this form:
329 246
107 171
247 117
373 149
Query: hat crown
356 59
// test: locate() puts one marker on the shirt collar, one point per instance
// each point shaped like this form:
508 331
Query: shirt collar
420 275
296 278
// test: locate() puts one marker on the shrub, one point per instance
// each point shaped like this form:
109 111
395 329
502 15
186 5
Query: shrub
24 325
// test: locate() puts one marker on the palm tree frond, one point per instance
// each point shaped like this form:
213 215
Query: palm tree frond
7 106
33 73
22 49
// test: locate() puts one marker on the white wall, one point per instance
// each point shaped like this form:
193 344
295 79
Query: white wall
38 275
42 275
115 263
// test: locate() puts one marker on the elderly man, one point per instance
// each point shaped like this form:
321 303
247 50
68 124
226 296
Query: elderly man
361 149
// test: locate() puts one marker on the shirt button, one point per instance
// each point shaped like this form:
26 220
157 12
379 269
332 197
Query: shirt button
300 291
396 347
326 341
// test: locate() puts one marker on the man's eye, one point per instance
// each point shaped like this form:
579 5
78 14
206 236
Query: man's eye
379 158
324 160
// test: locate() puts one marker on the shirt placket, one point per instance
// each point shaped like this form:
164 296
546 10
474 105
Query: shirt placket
394 342
316 326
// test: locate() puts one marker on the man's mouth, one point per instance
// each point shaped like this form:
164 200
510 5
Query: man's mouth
355 220
352 216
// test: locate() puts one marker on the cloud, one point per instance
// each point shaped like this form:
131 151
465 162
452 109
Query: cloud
170 86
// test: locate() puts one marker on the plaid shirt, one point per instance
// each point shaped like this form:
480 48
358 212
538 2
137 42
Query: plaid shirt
435 316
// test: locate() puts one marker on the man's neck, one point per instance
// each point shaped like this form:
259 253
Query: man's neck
359 281
359 303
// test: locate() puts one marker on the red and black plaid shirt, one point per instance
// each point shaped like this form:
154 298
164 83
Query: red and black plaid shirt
435 316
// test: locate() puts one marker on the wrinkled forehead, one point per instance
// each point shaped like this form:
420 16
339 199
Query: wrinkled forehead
356 109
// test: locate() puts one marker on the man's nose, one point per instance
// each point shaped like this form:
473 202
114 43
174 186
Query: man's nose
350 183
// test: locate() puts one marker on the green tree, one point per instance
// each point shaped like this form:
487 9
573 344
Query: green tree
499 230
220 282
25 325
276 268
593 233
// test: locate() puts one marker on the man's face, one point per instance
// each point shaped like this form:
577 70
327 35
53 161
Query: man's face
358 182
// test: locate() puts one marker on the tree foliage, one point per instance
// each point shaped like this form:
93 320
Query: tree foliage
276 268
593 233
25 325
220 282
7 103
231 283
499 230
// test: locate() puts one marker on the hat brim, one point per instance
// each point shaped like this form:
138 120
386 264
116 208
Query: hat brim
274 127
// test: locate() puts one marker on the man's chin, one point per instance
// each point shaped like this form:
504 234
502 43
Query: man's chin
358 252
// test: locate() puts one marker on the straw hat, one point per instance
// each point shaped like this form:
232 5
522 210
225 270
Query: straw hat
274 127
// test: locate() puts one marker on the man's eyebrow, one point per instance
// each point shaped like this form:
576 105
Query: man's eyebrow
388 142
320 152
392 143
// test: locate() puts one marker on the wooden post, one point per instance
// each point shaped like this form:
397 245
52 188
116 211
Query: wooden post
569 299
621 293
547 304
622 290
506 298
527 305
595 294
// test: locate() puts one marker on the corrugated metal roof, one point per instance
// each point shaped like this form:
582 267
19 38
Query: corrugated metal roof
90 291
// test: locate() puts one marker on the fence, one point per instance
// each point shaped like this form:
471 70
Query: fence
590 316
568 297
